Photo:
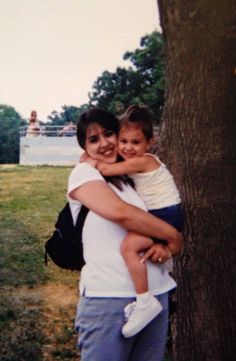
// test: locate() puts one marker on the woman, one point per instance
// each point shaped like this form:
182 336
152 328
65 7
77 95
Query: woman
105 284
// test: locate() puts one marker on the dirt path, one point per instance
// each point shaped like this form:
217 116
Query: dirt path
42 323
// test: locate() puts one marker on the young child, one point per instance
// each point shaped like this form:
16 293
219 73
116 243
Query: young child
157 188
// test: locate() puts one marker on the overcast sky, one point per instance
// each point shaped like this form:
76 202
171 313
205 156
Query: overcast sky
52 51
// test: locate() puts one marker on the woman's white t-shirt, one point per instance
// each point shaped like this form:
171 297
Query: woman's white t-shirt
105 273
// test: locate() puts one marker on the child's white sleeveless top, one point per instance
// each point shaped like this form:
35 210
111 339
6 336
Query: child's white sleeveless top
156 188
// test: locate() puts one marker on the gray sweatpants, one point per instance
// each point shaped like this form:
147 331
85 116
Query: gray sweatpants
99 322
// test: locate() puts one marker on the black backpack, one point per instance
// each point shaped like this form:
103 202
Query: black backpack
65 246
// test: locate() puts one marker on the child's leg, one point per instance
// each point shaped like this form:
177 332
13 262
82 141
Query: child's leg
147 307
131 246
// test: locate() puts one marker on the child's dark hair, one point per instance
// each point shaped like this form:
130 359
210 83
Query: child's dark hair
95 115
138 115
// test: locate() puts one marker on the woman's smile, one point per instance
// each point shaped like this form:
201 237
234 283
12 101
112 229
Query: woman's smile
101 144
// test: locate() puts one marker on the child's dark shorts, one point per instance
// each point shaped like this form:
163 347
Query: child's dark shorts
172 215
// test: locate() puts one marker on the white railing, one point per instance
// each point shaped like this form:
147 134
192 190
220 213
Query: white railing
48 131
51 145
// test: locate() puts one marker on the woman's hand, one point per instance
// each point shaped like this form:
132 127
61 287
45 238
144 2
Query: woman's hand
85 158
157 253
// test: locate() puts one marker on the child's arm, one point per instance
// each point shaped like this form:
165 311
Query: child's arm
133 165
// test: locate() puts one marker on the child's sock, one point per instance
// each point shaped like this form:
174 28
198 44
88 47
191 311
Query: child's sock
143 298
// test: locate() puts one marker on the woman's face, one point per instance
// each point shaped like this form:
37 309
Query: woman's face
101 144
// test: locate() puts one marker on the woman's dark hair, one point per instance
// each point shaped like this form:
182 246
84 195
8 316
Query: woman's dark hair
140 116
99 116
107 121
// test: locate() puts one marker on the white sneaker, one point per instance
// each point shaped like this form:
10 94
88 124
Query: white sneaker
140 316
128 310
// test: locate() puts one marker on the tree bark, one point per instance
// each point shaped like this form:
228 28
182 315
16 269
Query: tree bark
197 141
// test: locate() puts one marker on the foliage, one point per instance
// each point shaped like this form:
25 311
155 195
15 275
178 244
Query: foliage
115 91
10 121
142 83
68 114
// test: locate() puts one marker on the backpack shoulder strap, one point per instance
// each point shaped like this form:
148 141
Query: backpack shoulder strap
80 220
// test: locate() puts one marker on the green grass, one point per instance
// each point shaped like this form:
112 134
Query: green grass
33 326
37 304
30 200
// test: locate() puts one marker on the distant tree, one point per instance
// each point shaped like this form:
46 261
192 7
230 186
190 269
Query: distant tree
10 122
68 114
141 83
115 91
149 62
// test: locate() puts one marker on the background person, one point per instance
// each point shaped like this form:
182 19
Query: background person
33 129
68 130
105 284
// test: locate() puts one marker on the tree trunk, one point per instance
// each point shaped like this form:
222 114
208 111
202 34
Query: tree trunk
197 141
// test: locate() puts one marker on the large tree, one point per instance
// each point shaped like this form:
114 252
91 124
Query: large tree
197 138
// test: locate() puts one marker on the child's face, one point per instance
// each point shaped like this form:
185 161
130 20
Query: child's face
132 142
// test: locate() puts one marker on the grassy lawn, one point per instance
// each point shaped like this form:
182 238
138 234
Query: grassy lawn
37 303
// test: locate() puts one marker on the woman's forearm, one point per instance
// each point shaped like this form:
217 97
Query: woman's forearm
146 224
101 199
